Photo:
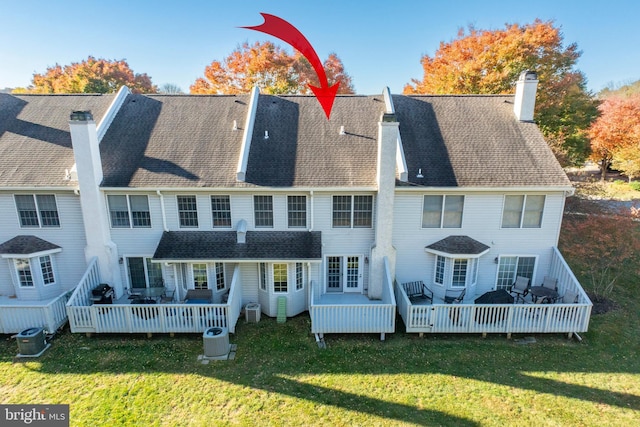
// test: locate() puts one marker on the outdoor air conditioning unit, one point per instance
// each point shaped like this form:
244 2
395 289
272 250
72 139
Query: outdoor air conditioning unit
216 342
252 312
31 342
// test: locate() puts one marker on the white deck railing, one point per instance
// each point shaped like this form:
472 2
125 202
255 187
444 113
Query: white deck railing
503 318
150 318
52 316
377 317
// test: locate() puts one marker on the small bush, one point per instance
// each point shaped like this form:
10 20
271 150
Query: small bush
635 185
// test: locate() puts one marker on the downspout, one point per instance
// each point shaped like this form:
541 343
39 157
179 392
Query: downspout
311 209
164 214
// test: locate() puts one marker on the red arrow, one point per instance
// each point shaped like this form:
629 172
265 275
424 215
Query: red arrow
286 32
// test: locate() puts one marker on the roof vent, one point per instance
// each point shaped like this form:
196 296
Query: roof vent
420 174
81 116
342 132
266 134
235 125
388 117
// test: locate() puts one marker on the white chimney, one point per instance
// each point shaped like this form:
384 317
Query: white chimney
525 100
383 249
86 151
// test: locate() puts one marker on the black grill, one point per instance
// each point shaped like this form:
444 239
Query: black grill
103 294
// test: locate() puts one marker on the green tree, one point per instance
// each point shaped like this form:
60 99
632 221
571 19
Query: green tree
269 67
627 160
489 62
91 76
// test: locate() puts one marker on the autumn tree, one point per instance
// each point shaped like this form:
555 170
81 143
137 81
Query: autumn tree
91 76
601 246
627 160
617 129
489 62
269 67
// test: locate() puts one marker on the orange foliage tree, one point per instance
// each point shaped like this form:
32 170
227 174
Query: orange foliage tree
269 67
616 130
91 76
489 62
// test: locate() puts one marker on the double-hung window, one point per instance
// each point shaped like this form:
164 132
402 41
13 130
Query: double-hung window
280 278
523 211
263 211
128 211
23 269
297 211
46 267
352 211
440 211
188 211
221 211
38 210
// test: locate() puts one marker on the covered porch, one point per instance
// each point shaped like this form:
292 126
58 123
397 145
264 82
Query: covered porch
570 316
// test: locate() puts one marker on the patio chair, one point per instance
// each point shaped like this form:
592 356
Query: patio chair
167 296
133 294
550 283
569 297
452 299
417 291
520 288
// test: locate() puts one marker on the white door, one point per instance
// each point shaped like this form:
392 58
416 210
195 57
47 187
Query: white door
344 274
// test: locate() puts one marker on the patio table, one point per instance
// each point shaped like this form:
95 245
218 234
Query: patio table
542 292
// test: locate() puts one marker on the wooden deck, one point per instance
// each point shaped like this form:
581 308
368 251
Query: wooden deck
352 313
124 317
502 318
17 315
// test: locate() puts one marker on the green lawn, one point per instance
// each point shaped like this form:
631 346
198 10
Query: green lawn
280 377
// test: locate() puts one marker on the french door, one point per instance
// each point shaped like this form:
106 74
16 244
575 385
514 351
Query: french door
344 274
143 273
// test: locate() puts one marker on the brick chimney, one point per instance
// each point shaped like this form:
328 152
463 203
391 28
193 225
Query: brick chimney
525 100
86 151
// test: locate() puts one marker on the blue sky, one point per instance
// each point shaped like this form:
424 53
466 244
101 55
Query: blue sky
379 42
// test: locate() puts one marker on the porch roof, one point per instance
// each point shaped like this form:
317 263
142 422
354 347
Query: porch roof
260 245
26 245
458 245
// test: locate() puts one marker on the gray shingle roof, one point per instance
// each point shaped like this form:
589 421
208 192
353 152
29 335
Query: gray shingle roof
458 245
188 141
35 143
174 141
26 245
214 245
305 149
473 140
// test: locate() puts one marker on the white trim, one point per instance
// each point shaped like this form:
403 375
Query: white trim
494 190
344 265
450 255
285 190
235 260
53 270
187 194
113 109
351 222
32 255
247 134
522 211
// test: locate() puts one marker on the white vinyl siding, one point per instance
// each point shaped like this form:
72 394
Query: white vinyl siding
36 211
